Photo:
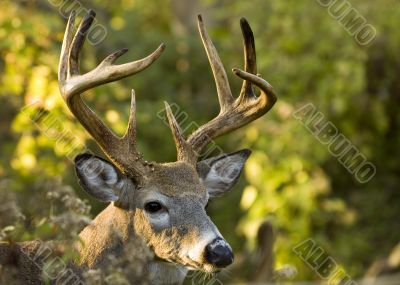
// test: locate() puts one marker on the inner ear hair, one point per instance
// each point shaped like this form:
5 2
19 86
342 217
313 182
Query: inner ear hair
101 179
204 166
95 168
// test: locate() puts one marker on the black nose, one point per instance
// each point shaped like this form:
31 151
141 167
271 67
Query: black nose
219 253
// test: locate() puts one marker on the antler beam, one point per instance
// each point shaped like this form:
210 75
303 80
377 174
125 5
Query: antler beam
122 151
234 113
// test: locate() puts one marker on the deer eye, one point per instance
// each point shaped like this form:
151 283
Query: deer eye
153 207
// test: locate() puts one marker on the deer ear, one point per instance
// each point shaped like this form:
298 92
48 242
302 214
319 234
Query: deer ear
99 178
219 174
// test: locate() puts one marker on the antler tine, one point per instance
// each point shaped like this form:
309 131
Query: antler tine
122 151
184 150
250 67
250 60
64 57
221 79
238 112
130 133
78 42
69 71
106 71
267 97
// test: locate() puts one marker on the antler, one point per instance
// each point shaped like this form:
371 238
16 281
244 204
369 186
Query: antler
234 113
122 151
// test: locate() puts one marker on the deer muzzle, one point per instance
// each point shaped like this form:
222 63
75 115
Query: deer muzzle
219 253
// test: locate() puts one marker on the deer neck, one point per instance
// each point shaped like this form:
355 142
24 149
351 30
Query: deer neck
108 233
166 273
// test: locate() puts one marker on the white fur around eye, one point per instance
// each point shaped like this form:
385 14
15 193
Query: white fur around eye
159 220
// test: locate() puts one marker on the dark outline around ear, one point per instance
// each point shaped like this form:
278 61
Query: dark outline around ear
102 188
217 186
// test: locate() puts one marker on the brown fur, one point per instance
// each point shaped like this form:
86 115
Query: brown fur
182 231
177 179
26 260
180 189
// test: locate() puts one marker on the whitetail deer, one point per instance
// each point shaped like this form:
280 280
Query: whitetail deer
163 204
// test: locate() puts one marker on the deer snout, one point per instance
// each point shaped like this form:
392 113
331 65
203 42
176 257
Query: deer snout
219 253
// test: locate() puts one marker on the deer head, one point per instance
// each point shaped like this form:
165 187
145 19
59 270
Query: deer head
165 201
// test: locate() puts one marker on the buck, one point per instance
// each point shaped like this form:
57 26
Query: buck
161 203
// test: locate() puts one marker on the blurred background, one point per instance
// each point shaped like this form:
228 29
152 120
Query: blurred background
292 186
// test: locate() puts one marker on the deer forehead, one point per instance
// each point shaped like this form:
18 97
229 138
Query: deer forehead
177 179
